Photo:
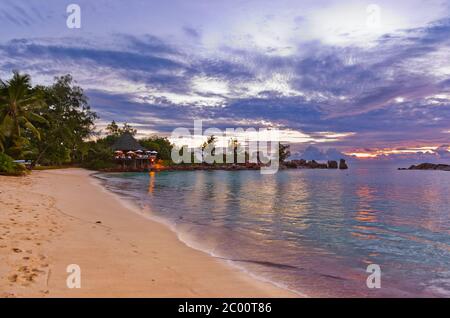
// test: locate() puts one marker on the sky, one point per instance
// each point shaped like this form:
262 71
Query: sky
368 78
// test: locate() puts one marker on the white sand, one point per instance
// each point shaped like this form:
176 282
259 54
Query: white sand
48 221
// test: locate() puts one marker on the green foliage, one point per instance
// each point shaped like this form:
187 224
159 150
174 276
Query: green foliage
52 126
114 130
6 163
210 144
210 141
283 152
99 155
20 111
160 144
8 167
70 121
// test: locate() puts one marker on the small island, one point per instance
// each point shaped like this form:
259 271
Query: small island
428 166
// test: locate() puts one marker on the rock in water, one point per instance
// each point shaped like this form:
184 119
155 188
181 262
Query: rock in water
313 164
332 164
342 164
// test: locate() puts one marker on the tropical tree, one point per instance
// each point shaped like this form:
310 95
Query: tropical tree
160 144
283 152
235 147
70 123
209 144
20 108
114 130
211 140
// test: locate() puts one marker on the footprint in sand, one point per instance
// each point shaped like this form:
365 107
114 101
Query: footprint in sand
35 270
13 278
23 269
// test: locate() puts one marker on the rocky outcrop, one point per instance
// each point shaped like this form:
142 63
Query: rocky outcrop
295 163
428 166
332 164
342 164
292 164
312 164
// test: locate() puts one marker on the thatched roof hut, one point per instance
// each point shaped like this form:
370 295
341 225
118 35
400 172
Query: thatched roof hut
126 143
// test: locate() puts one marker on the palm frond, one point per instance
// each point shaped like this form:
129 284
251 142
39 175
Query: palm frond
36 118
33 129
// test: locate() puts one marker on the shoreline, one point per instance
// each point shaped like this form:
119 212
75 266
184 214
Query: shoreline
146 213
60 217
293 164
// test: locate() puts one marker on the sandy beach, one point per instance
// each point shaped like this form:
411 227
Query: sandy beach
51 219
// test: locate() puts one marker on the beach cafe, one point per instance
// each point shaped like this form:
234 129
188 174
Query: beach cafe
129 154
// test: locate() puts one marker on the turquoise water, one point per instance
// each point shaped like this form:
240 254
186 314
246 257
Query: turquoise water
313 231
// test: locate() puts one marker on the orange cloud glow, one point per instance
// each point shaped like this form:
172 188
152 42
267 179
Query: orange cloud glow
395 151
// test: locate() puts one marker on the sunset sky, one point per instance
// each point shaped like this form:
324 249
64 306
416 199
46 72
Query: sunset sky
326 73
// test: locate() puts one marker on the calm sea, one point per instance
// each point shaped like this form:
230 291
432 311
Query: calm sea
313 231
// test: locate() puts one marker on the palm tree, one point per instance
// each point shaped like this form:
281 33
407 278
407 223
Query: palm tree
234 145
210 142
18 106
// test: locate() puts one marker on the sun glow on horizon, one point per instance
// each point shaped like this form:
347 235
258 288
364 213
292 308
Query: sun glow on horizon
397 151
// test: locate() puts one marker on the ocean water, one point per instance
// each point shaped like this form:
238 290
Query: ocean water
312 231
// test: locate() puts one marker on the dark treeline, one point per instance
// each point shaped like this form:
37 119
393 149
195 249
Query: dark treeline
55 126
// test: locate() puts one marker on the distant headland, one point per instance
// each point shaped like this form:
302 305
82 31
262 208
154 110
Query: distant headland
428 166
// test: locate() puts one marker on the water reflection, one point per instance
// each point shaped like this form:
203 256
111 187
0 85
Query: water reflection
151 182
325 226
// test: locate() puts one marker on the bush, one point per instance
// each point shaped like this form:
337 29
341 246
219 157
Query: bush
9 167
6 163
99 156
99 165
